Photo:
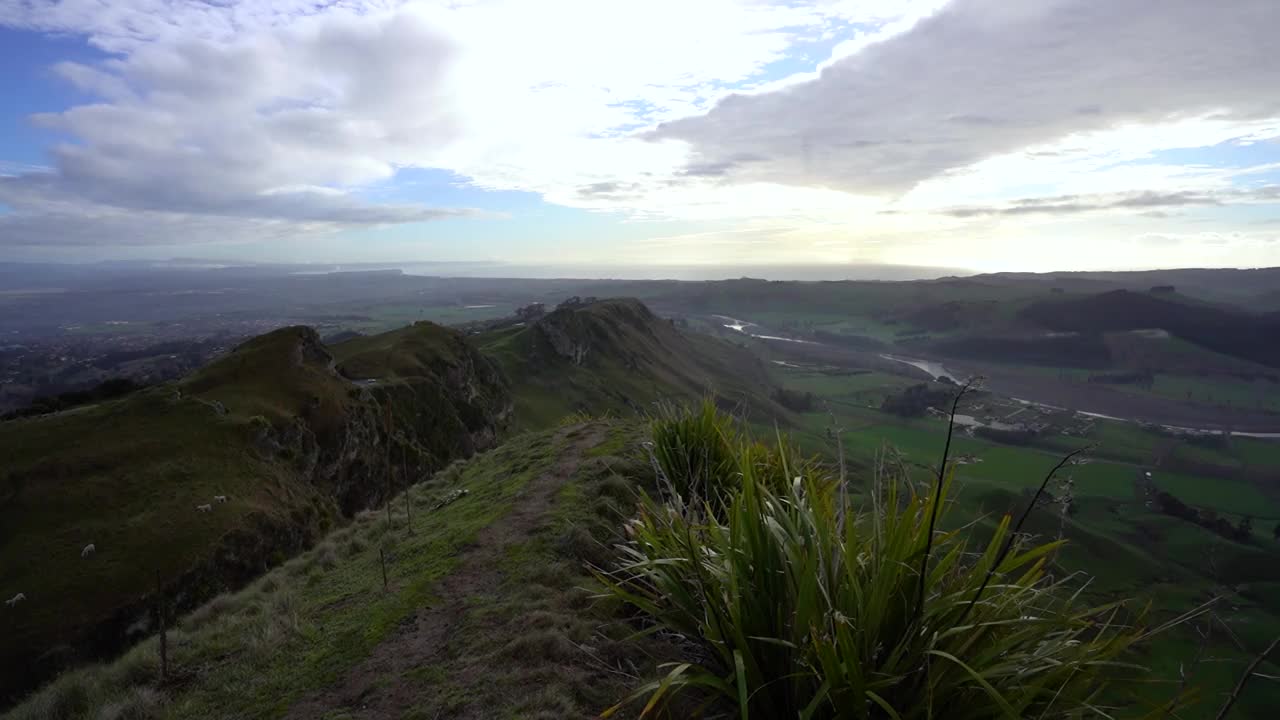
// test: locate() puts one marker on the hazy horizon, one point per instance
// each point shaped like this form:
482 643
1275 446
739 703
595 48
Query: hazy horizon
497 269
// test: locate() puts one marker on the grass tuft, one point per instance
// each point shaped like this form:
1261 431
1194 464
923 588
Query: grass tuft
541 645
799 608
140 703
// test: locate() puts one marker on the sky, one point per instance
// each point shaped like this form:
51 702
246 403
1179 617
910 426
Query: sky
980 134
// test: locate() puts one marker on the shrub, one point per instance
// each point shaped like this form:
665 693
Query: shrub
695 451
702 458
798 610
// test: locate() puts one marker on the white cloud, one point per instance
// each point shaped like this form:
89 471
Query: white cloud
218 110
928 126
270 127
983 78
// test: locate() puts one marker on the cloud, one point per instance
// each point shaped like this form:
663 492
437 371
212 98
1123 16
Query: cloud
272 127
982 78
268 119
224 110
1075 204
116 227
1159 239
1146 203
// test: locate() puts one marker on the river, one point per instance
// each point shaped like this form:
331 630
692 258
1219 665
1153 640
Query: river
938 370
742 325
935 370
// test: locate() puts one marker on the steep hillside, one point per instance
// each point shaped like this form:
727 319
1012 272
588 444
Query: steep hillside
487 610
1239 334
296 436
274 427
617 356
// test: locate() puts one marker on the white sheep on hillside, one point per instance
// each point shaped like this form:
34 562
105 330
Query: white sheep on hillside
15 599
220 498
204 508
88 550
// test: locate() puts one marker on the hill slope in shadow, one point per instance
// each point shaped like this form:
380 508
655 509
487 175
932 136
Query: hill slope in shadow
274 427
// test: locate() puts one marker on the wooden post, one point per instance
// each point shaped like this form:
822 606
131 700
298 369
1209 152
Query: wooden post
164 629
408 503
382 555
389 486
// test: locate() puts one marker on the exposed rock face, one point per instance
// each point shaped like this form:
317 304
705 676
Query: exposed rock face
348 435
573 331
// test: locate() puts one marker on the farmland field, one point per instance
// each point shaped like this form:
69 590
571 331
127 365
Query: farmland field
1127 547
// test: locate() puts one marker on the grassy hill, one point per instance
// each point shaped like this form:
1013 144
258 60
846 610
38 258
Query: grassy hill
274 427
616 356
487 610
1239 334
297 436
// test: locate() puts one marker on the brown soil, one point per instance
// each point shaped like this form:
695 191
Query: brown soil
376 688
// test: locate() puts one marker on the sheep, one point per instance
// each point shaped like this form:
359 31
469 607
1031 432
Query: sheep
204 508
220 498
15 599
88 550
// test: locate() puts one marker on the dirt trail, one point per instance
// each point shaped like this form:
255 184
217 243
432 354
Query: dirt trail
374 688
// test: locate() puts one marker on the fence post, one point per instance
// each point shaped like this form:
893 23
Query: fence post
408 503
382 555
389 483
164 629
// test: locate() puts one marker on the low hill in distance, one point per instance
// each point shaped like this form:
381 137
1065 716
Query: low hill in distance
1253 337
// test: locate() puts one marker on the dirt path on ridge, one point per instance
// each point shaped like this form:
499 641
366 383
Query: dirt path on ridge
374 687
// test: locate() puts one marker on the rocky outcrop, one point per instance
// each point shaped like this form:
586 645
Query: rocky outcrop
575 331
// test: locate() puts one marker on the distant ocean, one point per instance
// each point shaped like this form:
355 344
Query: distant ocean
673 272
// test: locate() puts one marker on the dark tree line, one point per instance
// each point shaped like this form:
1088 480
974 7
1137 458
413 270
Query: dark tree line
1241 532
916 400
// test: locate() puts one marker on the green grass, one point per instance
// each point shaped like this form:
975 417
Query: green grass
866 388
535 645
542 645
407 351
262 426
1230 392
801 607
1257 453
1236 497
1103 479
301 625
129 484
1126 441
632 360
1128 549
